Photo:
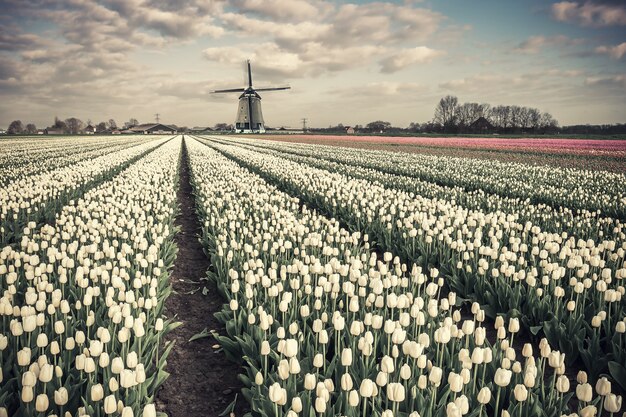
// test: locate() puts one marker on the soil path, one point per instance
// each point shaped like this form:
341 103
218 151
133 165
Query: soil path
202 381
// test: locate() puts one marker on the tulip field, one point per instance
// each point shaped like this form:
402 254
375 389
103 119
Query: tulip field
353 282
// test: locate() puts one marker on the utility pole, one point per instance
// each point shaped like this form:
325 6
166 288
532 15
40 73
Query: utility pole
304 124
157 117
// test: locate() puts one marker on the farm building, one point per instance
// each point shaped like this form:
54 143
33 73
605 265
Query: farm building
151 129
481 125
90 130
349 130
53 131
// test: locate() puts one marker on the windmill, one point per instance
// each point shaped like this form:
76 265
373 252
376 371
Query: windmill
249 114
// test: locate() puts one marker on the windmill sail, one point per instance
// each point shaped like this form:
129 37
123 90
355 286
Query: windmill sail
249 113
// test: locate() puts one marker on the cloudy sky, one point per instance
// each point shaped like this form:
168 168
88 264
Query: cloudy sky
346 62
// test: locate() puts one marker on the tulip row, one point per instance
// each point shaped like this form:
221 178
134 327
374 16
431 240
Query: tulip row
82 300
326 327
24 157
583 225
39 197
566 187
570 290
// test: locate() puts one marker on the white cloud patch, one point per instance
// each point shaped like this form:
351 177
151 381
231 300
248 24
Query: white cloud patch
535 44
386 88
611 81
589 13
273 62
326 38
284 10
615 52
407 57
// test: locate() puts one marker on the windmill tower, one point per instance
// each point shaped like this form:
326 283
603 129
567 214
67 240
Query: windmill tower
249 114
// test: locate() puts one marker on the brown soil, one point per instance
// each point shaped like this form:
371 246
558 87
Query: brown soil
202 381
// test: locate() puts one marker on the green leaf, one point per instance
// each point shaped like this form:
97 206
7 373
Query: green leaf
535 329
229 408
618 372
204 333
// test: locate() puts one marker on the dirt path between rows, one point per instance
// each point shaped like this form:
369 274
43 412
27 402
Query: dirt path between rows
202 381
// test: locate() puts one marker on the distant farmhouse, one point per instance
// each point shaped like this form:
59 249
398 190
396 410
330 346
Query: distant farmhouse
90 130
349 130
53 131
200 130
151 129
481 125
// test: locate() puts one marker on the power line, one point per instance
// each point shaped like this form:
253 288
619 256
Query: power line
304 119
157 117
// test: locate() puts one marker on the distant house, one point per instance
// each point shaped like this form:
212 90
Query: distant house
151 129
115 132
53 131
200 130
349 130
481 125
41 131
90 130
3 132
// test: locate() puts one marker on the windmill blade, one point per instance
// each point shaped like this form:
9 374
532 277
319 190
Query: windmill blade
272 88
230 90
249 75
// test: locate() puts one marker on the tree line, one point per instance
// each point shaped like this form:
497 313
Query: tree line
69 126
454 117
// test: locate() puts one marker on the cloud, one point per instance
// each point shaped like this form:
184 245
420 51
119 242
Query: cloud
326 38
346 25
267 59
289 35
284 10
589 13
9 69
611 81
529 82
615 52
274 63
383 22
382 89
407 57
534 44
12 39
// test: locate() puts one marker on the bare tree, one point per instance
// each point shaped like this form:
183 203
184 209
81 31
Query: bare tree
112 124
31 128
515 115
498 116
377 126
445 112
483 110
16 128
464 115
60 124
131 122
74 125
534 118
547 123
